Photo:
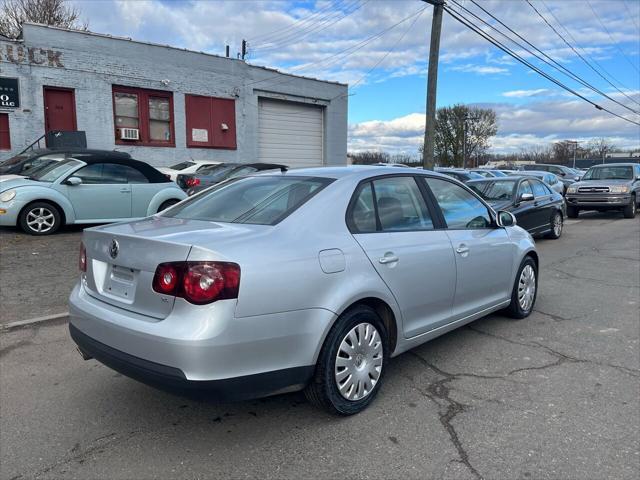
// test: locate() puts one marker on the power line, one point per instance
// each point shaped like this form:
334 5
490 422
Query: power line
517 57
335 57
611 37
575 51
276 33
633 18
331 19
552 62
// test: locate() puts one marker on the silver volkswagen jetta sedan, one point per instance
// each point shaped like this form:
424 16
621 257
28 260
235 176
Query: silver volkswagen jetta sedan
308 279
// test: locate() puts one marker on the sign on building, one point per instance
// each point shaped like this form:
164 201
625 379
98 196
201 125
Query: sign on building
9 93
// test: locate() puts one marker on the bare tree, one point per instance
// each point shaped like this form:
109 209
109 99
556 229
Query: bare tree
369 158
13 13
599 147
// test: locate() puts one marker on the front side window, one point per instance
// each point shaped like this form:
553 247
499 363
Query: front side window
539 190
149 112
110 173
259 200
461 209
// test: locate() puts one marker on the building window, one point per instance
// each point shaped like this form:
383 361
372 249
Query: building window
149 112
5 138
211 122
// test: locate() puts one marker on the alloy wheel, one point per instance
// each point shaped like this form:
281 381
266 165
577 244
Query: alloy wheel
40 219
359 362
527 287
557 225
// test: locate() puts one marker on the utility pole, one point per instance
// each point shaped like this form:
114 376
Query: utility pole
432 80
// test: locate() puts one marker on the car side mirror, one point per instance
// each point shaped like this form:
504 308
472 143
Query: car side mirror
506 219
73 181
526 197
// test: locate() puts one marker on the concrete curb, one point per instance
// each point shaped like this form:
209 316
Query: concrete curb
32 321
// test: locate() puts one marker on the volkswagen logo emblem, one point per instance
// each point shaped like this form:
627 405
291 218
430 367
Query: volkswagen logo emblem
114 249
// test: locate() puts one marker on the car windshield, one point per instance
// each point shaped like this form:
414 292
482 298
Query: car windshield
14 160
609 173
498 173
181 165
260 200
492 191
54 171
210 169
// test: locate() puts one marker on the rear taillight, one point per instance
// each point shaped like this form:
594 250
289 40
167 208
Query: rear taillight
198 282
192 182
82 258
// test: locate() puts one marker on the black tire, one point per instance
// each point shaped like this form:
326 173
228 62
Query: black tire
556 233
323 391
40 215
572 212
515 310
630 210
167 204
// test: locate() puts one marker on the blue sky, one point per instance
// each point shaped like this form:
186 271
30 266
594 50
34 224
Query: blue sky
336 40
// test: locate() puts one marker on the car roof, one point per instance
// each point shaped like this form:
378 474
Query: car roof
153 175
358 172
626 164
80 151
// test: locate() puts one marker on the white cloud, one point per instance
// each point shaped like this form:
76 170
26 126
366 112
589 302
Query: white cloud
526 93
480 69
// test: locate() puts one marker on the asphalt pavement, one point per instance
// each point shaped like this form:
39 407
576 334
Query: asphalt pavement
551 396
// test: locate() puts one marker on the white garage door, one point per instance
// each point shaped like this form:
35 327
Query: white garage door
290 133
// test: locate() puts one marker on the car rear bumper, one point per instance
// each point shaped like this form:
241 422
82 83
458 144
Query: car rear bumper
598 200
174 379
196 346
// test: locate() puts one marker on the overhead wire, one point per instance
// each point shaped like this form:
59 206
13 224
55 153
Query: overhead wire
633 18
508 51
615 44
548 60
576 51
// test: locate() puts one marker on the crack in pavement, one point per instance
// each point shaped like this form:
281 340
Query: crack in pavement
440 390
594 280
94 446
553 316
19 344
559 355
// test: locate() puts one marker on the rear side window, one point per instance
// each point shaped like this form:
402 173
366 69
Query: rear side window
362 217
461 209
260 200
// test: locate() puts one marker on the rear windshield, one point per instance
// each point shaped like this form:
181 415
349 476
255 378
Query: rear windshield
260 200
609 173
181 166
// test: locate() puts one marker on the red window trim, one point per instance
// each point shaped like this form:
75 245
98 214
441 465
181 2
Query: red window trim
210 143
7 131
143 116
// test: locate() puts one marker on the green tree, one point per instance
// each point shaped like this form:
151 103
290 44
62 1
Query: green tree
481 125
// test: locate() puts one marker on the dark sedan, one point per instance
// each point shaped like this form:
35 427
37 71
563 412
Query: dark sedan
462 175
538 209
206 177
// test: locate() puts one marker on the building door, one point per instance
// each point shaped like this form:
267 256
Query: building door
59 109
290 133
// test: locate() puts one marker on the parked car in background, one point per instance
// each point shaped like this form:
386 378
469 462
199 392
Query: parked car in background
549 178
187 167
538 209
459 174
96 189
382 164
565 174
613 186
488 173
225 292
26 163
206 178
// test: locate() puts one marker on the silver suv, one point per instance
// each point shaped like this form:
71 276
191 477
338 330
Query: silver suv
614 186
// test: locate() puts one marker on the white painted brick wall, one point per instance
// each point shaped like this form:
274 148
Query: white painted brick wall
93 63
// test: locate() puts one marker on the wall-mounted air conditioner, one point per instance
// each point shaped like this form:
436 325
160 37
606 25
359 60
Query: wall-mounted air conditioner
129 134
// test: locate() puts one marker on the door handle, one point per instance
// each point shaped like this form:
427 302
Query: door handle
462 249
388 258
125 190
